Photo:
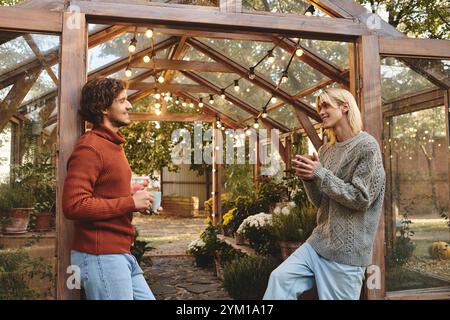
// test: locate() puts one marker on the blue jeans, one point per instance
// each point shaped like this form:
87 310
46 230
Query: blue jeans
111 277
304 268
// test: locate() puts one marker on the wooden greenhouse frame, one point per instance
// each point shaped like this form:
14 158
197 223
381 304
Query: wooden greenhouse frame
347 22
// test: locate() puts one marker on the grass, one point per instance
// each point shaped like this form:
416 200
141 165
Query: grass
400 278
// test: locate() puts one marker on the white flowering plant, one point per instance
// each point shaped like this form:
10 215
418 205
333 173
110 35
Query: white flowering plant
257 229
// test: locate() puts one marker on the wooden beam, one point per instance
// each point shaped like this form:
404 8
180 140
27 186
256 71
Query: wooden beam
182 65
412 47
30 20
315 27
74 45
121 64
313 60
414 102
432 70
370 104
177 53
238 102
37 52
330 9
12 76
106 35
10 104
192 33
172 117
217 160
169 87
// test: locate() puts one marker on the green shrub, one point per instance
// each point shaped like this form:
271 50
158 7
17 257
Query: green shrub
247 278
14 196
16 271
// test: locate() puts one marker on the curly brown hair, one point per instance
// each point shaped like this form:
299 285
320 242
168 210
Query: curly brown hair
98 95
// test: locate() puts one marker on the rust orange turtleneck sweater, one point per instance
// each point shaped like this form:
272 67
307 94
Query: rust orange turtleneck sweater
97 194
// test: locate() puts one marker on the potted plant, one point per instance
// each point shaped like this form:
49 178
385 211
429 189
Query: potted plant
16 205
292 225
44 213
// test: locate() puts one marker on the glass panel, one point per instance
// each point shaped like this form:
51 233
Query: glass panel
43 85
226 107
194 55
311 99
27 174
420 194
397 79
285 116
284 6
13 54
180 78
439 69
94 28
117 48
45 42
4 92
331 51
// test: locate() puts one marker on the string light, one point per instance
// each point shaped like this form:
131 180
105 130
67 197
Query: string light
178 100
146 59
284 77
264 113
149 33
270 57
211 99
251 74
222 93
273 99
128 72
248 132
184 104
310 11
161 79
236 85
158 112
299 52
200 104
256 124
157 96
191 105
132 46
157 105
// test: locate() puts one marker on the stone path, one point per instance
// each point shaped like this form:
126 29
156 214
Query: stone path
171 274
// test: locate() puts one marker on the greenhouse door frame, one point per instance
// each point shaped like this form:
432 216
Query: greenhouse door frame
416 49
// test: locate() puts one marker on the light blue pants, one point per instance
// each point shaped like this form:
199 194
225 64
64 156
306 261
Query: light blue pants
304 268
111 277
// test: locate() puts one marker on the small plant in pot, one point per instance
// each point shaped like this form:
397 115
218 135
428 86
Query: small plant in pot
16 205
43 216
292 225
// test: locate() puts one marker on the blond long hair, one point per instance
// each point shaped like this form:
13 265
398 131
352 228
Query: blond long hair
336 97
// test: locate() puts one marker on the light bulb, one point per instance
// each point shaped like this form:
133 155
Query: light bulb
184 104
161 79
264 115
273 99
211 99
146 59
157 96
177 101
284 78
299 52
222 128
236 85
256 124
271 58
191 105
132 46
149 33
200 104
251 74
157 105
248 132
222 93
308 14
158 112
128 73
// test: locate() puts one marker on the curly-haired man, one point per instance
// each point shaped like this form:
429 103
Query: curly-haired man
97 196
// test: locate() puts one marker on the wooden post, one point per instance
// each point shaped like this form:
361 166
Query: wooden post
370 104
216 174
73 77
447 123
257 165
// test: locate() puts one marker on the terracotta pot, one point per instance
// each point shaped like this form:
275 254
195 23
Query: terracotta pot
43 222
288 247
203 260
17 221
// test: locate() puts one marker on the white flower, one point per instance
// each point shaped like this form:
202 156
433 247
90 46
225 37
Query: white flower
285 211
257 221
292 204
196 245
277 210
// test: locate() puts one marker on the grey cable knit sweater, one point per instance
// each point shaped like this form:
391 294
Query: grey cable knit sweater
348 188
